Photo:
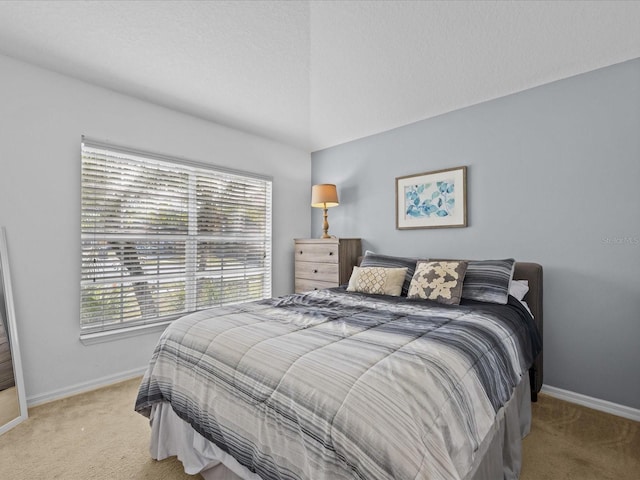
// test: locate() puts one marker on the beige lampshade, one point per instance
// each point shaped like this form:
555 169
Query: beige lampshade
324 195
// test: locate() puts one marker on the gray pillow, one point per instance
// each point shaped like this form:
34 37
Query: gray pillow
438 281
371 259
488 280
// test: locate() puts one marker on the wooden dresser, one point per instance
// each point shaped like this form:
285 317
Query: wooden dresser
324 262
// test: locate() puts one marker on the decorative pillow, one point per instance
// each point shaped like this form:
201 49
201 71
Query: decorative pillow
371 259
439 281
518 288
377 280
488 280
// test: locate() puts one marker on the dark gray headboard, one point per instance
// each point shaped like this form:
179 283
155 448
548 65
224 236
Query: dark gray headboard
532 272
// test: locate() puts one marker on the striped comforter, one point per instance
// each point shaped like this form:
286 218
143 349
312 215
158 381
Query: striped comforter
334 385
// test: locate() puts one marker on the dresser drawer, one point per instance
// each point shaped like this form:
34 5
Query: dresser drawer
324 272
317 252
304 285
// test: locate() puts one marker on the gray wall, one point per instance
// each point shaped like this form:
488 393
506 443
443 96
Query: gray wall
553 177
42 116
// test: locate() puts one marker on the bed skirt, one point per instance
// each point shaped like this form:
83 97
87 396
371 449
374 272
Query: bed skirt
499 456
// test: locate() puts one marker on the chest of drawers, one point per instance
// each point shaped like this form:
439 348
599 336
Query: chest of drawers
324 262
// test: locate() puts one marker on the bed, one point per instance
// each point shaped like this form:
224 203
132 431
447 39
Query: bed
334 384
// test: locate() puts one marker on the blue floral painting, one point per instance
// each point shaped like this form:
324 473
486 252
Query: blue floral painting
428 200
435 199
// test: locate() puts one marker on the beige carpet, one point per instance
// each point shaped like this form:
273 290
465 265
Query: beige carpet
98 436
568 441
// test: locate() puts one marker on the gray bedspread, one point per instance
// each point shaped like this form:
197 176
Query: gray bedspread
334 385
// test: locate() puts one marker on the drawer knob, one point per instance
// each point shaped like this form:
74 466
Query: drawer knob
300 252
330 253
315 271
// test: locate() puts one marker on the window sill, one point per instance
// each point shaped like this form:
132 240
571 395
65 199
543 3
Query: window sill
121 333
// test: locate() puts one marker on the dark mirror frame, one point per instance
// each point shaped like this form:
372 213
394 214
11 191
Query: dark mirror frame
8 317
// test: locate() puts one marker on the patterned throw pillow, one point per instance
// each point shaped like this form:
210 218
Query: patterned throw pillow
371 259
488 280
377 280
439 281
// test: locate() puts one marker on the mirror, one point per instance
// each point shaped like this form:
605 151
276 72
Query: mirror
13 404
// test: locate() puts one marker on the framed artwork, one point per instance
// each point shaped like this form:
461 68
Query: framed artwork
432 200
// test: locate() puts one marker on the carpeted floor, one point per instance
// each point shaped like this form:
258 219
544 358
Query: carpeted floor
568 441
97 435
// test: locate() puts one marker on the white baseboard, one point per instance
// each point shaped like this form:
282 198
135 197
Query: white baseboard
595 403
84 387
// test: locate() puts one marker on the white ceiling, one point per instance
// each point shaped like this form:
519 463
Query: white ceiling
320 73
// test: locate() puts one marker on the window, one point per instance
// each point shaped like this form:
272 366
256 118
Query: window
163 237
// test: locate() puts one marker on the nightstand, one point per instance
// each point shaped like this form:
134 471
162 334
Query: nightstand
324 262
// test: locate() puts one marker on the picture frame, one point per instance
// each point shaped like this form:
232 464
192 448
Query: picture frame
435 199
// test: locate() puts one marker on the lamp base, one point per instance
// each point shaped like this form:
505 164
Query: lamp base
325 226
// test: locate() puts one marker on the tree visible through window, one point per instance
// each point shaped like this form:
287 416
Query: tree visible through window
161 238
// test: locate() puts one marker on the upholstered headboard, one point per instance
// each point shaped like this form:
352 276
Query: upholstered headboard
532 272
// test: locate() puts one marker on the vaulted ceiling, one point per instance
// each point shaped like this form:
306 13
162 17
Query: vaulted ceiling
315 74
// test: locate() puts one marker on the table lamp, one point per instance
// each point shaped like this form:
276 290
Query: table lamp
324 196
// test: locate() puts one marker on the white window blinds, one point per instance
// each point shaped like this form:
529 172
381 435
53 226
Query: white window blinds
163 237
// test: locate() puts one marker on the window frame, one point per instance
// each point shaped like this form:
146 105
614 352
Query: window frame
98 333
